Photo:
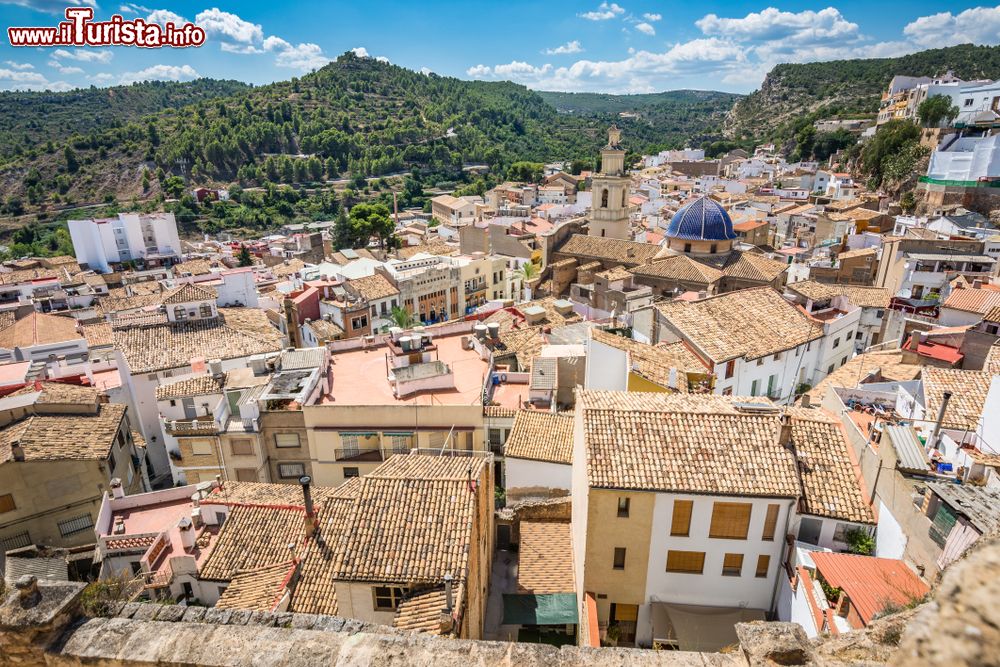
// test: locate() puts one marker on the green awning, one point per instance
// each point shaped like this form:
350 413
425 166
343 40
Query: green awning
548 609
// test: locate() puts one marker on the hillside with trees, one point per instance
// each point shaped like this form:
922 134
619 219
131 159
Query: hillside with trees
795 95
29 121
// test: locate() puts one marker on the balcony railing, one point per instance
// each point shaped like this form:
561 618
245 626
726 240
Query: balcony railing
199 426
359 455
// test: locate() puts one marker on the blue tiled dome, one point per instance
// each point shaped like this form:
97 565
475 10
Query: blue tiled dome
701 220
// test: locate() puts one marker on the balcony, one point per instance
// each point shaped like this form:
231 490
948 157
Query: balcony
359 455
197 426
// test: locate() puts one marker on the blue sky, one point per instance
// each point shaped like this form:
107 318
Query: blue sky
598 46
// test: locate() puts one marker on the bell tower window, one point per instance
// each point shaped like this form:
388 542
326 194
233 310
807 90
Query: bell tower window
604 198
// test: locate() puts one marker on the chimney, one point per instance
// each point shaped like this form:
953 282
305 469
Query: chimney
186 529
310 517
447 620
945 399
17 451
785 433
116 488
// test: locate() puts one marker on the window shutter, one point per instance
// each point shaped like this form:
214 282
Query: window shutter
770 522
680 525
730 521
687 562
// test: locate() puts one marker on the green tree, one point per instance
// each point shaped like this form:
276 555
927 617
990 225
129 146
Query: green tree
530 172
174 186
892 139
369 220
244 257
528 271
401 317
71 163
935 109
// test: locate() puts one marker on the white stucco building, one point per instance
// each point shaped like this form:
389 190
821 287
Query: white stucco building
131 237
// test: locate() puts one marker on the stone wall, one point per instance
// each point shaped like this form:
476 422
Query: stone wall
959 627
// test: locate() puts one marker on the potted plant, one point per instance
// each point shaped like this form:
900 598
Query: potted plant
612 635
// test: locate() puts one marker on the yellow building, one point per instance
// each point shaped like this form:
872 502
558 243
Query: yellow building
60 448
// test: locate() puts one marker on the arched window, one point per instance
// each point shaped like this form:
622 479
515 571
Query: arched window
604 198
180 313
624 195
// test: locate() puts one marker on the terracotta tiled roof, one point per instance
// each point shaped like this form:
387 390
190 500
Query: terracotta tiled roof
499 411
199 385
326 330
117 304
545 558
98 335
681 452
630 253
872 584
193 267
748 323
287 268
435 248
27 275
654 362
889 364
187 293
829 479
373 287
7 318
421 612
642 401
253 537
39 329
992 363
864 297
992 315
262 493
60 393
973 300
680 267
237 332
968 394
541 436
140 543
257 590
858 252
63 436
615 273
752 266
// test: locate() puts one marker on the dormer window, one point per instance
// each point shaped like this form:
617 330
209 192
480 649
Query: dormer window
205 310
180 313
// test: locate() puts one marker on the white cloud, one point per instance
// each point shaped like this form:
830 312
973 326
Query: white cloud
64 69
85 55
303 57
642 71
102 77
229 27
164 16
132 8
273 43
645 28
568 47
652 17
426 71
51 6
479 71
19 66
360 52
604 12
161 73
979 25
13 79
770 24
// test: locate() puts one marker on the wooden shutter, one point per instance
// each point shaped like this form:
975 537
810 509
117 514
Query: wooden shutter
730 521
770 522
688 562
7 503
680 525
732 565
763 563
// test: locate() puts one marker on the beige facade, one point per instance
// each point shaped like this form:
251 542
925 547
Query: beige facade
609 212
285 445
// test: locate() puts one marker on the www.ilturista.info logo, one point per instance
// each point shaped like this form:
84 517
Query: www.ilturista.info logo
79 29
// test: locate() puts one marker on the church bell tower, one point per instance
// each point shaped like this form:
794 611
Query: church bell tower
611 188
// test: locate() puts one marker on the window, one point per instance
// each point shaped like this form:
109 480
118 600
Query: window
604 198
728 391
401 442
77 525
201 447
291 470
969 101
770 522
350 472
205 310
687 247
16 541
763 562
619 563
732 565
180 313
359 322
386 598
836 342
246 475
713 248
730 368
7 503
623 508
242 447
686 562
286 439
760 361
730 521
829 369
680 523
753 388
840 532
350 444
